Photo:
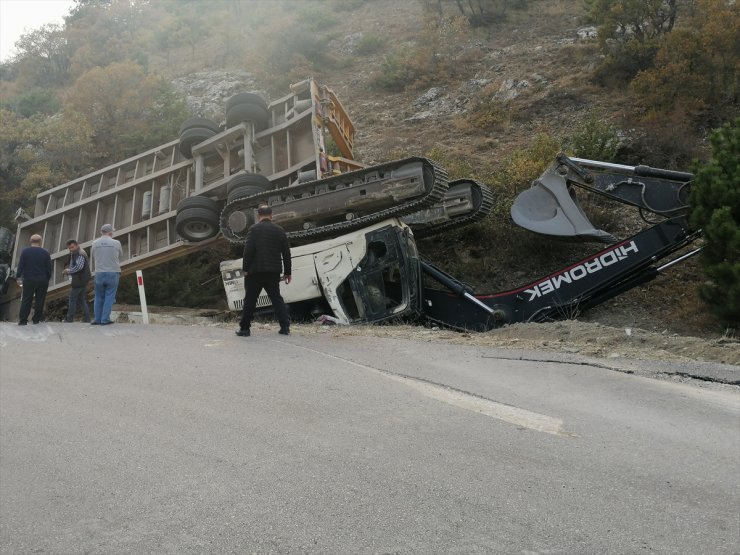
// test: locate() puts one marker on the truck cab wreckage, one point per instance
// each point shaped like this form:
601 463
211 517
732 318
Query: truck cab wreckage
353 227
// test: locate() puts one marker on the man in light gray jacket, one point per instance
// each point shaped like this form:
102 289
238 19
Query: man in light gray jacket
106 255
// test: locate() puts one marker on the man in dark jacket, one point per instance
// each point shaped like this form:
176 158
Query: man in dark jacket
266 254
33 274
79 269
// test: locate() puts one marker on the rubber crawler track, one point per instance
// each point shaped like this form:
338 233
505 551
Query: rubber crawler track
488 200
435 193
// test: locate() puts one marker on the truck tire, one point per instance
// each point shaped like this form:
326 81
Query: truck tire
191 137
203 203
257 115
196 224
241 179
246 98
203 123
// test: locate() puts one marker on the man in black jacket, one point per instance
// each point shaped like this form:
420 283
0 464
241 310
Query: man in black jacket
33 272
266 255
79 269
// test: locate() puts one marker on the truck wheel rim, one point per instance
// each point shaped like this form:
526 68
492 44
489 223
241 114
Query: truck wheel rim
199 230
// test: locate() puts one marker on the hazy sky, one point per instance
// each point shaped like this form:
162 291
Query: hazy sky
20 16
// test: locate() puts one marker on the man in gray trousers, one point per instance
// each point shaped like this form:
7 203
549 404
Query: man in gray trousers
79 270
106 255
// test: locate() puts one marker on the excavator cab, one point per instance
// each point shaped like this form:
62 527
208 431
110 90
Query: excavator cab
360 277
386 282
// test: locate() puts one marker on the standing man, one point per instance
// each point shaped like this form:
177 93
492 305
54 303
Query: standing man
33 274
79 269
106 254
266 254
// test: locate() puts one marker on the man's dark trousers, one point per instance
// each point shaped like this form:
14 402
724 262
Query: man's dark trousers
78 294
253 284
33 288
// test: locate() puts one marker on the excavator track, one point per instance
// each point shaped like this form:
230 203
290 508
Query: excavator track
341 203
478 196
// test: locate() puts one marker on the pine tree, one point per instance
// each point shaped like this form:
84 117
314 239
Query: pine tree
715 201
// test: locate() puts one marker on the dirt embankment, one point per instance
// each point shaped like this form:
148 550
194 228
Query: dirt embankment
589 339
571 336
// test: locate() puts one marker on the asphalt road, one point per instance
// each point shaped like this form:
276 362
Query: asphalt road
178 439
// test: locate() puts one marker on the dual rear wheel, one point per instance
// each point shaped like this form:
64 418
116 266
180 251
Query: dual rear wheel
198 218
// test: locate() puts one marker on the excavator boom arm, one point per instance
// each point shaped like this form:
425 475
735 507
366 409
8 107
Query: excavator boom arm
568 291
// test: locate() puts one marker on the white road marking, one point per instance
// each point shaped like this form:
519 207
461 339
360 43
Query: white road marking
461 399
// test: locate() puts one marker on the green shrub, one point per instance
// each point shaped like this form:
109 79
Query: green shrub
625 60
715 202
594 138
396 73
369 44
491 115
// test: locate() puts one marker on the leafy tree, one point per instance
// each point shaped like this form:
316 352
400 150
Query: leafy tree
629 34
101 32
82 7
127 109
165 39
38 153
43 56
715 201
35 101
696 67
641 20
190 31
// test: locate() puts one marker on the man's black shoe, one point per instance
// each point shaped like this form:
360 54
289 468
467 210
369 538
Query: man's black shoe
22 323
243 333
93 323
284 331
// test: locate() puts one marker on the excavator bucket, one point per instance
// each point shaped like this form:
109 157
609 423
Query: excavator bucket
550 207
